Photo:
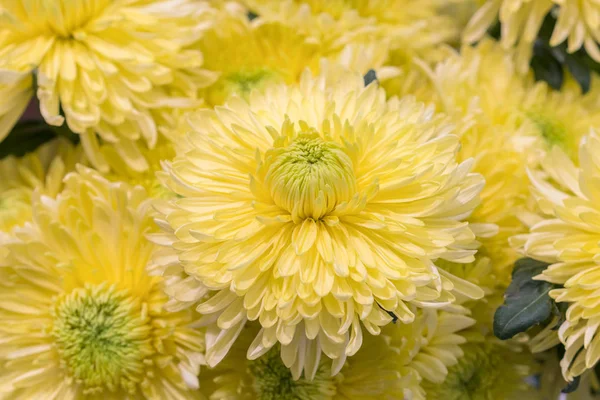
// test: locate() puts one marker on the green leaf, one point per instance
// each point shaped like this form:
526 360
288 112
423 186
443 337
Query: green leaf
576 64
571 386
370 76
545 66
251 15
25 137
526 301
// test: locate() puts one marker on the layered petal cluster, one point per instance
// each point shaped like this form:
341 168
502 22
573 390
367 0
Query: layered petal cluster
112 70
578 23
81 317
318 210
41 171
567 237
418 26
507 122
249 56
392 365
480 91
559 118
487 371
121 171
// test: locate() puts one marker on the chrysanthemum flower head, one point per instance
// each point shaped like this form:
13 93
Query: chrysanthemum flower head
559 118
106 68
567 237
317 210
504 195
418 26
392 365
487 370
479 90
82 318
40 171
479 79
578 22
249 56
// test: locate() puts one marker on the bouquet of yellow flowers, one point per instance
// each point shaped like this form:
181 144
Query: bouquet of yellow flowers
299 199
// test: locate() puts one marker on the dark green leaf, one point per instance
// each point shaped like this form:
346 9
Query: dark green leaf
545 66
572 386
526 301
26 137
251 15
65 132
495 31
559 310
370 76
582 74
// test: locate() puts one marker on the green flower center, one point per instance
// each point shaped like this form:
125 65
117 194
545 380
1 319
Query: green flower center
272 380
483 373
554 132
103 337
245 81
241 82
310 177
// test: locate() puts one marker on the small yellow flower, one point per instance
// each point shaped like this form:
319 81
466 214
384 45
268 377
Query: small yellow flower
578 22
40 171
317 210
391 366
113 70
567 237
81 317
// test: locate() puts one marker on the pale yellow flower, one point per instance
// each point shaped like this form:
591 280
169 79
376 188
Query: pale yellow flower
578 22
112 70
313 209
559 118
391 366
249 57
418 26
567 237
479 90
40 171
81 317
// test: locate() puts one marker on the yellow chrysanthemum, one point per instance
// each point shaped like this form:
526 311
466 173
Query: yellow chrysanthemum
318 210
568 238
42 170
559 118
111 68
418 26
478 89
388 366
81 317
487 371
249 57
578 21
481 80
504 195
